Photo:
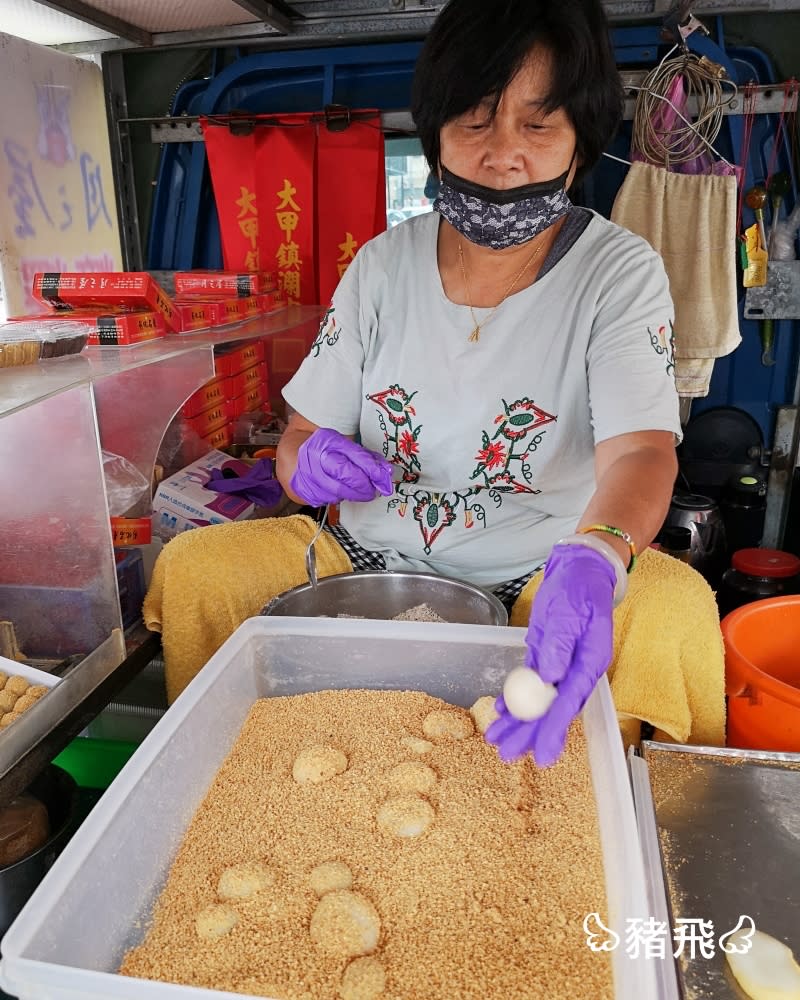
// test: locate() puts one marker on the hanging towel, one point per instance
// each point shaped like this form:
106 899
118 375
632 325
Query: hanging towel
206 582
669 661
690 220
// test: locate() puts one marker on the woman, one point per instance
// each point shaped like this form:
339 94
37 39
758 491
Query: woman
505 361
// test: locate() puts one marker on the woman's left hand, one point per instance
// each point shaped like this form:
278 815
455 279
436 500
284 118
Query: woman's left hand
570 644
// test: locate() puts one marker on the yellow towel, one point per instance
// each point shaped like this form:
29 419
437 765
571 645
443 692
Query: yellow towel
690 220
669 663
246 564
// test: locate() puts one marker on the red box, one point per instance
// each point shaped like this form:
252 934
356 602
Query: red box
222 284
222 311
238 385
250 401
221 438
131 530
123 329
192 316
229 362
271 301
208 395
64 290
249 306
209 420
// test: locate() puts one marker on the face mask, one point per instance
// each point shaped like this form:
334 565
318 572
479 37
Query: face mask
500 219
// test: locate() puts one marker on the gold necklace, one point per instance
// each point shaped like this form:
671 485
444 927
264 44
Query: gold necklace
476 332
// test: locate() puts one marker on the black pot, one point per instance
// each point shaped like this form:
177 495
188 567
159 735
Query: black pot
59 793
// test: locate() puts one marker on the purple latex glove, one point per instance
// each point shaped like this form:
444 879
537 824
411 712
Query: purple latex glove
331 467
258 485
570 644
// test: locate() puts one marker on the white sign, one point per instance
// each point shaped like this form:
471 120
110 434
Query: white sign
57 210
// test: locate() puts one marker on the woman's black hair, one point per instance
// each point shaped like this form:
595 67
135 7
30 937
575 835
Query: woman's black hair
476 47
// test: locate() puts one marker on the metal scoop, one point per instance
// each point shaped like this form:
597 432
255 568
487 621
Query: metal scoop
311 558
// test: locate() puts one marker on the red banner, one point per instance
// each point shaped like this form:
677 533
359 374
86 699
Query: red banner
285 185
232 162
350 168
298 198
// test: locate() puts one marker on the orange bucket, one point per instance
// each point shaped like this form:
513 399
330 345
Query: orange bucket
762 674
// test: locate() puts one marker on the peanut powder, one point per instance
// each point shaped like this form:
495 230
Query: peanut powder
484 900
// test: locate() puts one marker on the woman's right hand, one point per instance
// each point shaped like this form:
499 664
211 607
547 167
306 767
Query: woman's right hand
331 467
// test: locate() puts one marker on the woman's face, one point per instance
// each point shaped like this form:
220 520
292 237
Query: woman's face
521 144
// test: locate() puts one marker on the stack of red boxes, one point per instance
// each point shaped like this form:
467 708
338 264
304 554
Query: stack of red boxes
239 386
128 307
225 296
119 308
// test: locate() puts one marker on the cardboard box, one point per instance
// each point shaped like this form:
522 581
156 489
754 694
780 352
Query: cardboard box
124 329
193 316
209 420
238 385
250 401
208 395
130 531
271 301
221 312
231 362
182 501
66 290
223 284
249 307
220 438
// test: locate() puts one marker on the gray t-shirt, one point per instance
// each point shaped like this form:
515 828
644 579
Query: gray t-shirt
492 442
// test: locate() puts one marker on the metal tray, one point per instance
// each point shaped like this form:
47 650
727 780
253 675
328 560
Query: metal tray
727 824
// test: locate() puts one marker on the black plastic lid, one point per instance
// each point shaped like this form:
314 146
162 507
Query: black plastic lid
746 486
692 501
675 538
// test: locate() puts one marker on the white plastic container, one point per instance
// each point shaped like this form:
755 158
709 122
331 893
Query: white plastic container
94 903
13 668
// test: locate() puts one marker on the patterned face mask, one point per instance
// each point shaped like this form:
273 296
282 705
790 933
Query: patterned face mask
500 219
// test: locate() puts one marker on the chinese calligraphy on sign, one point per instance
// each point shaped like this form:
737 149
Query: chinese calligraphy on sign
248 224
55 171
692 937
93 197
348 249
288 253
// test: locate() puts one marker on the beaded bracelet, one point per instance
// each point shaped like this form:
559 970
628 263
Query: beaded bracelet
611 530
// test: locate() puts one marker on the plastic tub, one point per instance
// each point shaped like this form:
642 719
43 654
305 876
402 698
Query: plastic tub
94 904
762 674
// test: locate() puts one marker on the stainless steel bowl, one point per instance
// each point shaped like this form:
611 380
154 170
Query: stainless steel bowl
384 595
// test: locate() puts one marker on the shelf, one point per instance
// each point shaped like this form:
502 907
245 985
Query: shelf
21 386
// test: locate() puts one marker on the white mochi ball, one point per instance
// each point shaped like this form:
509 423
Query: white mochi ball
526 695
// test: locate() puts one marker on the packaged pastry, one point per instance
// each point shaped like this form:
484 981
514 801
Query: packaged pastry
23 343
19 345
60 339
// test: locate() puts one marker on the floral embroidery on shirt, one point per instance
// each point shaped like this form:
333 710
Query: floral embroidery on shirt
403 436
502 462
328 332
519 420
664 345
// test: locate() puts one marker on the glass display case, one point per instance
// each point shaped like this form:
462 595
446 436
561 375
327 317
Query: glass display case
58 585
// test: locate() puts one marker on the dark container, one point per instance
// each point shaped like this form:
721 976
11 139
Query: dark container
743 507
756 574
59 793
